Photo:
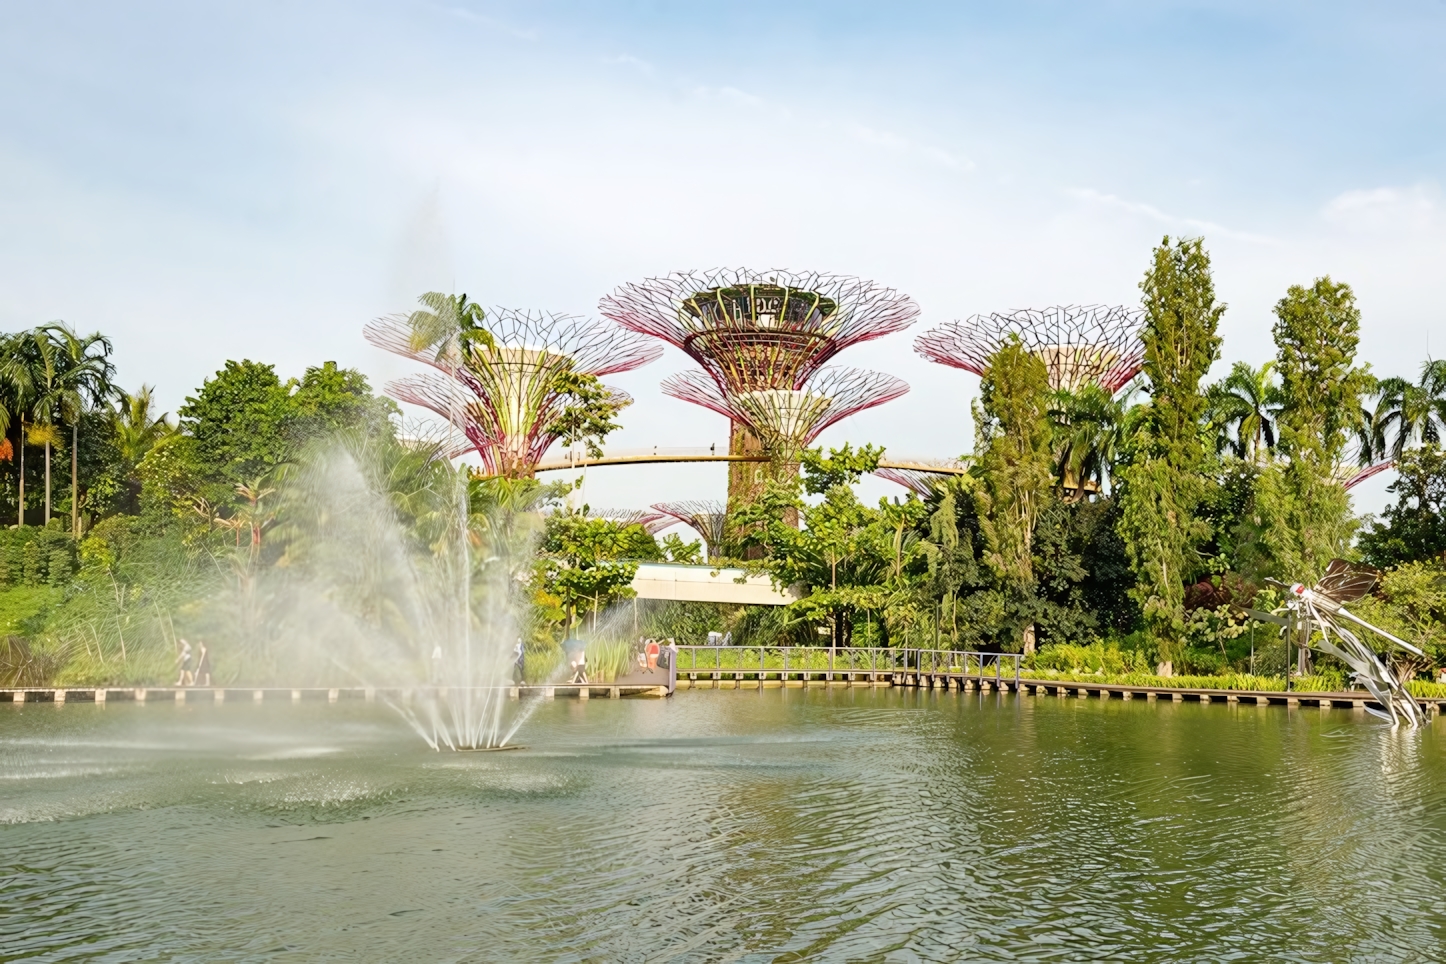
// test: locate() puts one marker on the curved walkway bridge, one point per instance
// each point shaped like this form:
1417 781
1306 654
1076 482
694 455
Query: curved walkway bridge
658 454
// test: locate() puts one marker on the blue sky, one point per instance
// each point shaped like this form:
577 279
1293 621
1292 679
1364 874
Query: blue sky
258 180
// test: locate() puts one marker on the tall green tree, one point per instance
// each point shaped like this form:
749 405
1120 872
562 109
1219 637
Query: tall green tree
1015 469
1164 484
1309 517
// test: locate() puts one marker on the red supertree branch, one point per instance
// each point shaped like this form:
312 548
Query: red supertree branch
1077 343
709 519
652 522
592 347
787 421
507 398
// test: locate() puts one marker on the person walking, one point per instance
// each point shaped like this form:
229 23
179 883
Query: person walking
519 662
202 676
652 652
184 662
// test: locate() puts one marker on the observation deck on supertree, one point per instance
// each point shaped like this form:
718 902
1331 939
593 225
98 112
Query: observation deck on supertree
1079 344
707 518
759 332
507 399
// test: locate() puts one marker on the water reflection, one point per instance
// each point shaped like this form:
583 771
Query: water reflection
742 825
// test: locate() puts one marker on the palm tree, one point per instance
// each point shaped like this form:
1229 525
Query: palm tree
1415 411
138 431
67 374
28 358
1245 403
452 318
1091 427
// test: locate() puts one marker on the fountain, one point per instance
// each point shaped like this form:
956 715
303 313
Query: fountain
401 574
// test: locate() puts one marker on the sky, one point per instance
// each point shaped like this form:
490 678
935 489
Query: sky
258 180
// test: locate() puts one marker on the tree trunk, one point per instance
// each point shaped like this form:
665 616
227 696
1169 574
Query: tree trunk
1165 668
75 502
74 481
47 482
21 519
1029 640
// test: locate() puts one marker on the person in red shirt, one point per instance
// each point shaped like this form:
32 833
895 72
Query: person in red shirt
652 651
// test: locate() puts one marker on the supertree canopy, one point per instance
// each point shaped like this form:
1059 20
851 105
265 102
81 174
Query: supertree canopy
759 332
1078 344
653 521
786 421
919 480
708 519
509 399
753 330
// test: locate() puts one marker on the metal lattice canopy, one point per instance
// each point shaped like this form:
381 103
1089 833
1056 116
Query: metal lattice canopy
506 399
653 521
760 330
920 481
1079 344
709 519
787 421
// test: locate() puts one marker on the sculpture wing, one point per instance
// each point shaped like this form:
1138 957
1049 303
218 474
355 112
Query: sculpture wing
1346 582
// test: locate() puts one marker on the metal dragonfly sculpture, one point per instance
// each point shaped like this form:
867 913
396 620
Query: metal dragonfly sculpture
1319 615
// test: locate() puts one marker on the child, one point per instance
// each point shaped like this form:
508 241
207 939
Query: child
184 661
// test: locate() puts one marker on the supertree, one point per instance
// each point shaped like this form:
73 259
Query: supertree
758 331
1078 344
920 481
513 399
784 420
709 519
653 522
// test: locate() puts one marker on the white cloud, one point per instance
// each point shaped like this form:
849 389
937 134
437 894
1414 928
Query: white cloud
1416 208
1152 213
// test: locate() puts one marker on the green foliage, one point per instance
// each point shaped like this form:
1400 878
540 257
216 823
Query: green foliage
1305 512
589 563
1241 411
1414 528
1163 486
1093 658
840 467
1407 414
1015 472
1410 604
588 412
1316 333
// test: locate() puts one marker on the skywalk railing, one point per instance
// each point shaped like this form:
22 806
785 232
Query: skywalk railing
823 662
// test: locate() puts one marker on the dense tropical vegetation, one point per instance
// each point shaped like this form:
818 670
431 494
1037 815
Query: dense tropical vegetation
1122 535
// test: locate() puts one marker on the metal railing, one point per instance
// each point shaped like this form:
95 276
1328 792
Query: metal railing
822 662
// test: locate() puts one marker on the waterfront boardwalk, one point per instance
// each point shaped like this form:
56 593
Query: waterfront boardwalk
1075 689
748 667
279 694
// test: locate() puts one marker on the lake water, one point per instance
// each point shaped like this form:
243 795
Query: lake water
839 825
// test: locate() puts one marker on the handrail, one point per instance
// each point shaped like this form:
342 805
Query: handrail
786 661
